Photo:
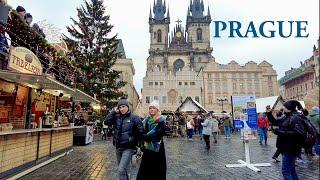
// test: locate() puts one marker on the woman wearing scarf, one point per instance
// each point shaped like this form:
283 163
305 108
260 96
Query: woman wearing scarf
153 164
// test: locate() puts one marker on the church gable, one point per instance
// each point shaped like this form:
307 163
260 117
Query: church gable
265 64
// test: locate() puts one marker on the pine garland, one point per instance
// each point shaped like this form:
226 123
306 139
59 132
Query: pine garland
23 35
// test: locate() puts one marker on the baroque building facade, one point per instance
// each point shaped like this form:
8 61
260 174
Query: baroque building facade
180 64
125 66
302 83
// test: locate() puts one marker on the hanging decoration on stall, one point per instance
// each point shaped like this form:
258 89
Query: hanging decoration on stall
6 87
25 61
41 102
6 92
20 101
4 115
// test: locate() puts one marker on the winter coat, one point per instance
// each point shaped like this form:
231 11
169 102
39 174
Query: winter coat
128 129
263 123
227 122
153 133
153 164
315 120
190 123
290 133
215 125
207 126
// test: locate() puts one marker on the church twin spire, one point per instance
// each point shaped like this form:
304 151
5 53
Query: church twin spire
196 9
159 10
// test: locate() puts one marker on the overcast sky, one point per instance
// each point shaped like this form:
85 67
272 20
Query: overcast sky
130 20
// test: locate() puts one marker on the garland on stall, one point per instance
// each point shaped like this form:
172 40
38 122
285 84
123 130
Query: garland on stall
22 34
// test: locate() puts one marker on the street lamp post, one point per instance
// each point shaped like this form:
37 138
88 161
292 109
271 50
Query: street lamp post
222 99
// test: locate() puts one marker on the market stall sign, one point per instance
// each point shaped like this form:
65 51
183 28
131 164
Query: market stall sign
25 61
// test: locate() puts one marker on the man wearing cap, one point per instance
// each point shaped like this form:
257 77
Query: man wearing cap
290 136
21 11
28 18
128 130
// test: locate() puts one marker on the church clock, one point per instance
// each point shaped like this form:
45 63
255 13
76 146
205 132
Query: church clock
178 34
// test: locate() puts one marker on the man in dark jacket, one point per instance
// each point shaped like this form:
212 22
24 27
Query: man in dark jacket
290 136
128 130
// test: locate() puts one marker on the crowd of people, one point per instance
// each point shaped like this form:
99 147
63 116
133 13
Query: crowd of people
131 134
295 128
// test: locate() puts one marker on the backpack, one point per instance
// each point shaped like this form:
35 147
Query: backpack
310 132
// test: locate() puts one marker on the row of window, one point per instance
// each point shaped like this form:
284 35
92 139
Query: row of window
179 83
156 83
158 35
235 86
234 75
295 90
187 83
163 99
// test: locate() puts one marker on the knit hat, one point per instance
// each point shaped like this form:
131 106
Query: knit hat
123 101
28 15
20 9
154 104
292 105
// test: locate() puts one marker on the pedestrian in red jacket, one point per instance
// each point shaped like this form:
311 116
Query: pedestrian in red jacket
263 126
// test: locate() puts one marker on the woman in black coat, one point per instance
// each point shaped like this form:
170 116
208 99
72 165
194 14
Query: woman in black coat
153 164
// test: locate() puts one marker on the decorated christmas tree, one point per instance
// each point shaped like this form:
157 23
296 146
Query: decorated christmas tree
94 52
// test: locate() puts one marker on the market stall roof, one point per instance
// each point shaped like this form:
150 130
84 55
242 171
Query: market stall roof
46 83
190 105
262 103
83 97
276 102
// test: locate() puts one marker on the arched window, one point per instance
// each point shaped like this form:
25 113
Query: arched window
158 67
199 34
159 36
178 65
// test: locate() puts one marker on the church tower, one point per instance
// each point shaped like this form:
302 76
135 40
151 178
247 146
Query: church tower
198 25
159 26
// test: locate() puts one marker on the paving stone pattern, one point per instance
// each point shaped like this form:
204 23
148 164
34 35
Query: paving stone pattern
186 160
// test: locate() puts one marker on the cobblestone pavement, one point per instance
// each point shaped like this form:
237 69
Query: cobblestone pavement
185 160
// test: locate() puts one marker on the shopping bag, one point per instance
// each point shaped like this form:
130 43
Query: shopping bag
136 158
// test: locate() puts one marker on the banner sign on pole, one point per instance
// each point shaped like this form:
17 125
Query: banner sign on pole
245 116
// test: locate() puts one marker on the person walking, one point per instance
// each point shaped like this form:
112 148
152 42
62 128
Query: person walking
226 125
104 131
207 130
182 125
196 121
190 127
200 127
290 138
263 126
128 130
315 120
215 128
277 153
153 164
